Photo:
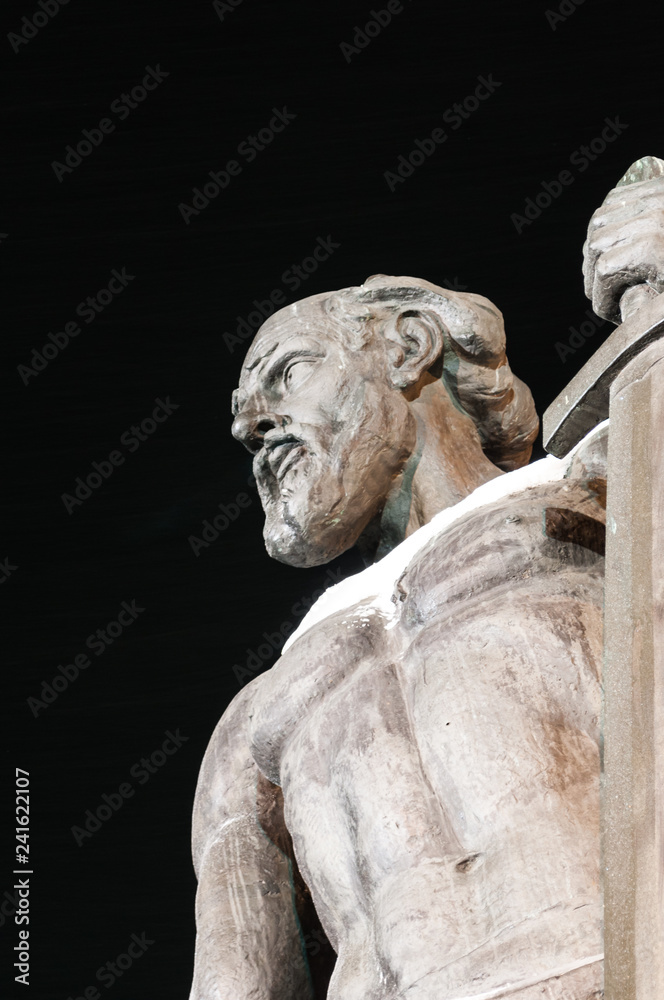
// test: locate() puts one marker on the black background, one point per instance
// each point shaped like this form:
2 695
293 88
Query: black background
323 176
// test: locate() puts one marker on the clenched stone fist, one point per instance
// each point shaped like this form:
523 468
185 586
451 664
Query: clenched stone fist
623 256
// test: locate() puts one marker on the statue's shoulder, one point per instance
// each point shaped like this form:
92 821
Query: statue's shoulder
535 537
542 531
533 522
231 738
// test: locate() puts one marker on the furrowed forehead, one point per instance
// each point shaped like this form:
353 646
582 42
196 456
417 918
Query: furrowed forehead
270 342
307 317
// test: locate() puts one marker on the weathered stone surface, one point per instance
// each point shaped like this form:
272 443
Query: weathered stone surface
624 251
623 270
633 800
440 776
584 402
407 807
351 401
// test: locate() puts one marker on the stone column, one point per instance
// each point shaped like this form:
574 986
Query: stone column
633 758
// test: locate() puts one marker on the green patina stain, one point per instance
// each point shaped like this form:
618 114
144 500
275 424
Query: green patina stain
396 513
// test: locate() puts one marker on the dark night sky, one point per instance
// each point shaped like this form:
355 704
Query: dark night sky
161 336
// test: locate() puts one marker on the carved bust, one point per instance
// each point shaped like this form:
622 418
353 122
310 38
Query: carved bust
406 806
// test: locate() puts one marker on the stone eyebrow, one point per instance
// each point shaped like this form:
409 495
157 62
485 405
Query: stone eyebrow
261 357
293 352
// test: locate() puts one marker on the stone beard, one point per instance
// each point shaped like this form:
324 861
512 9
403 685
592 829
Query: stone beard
314 469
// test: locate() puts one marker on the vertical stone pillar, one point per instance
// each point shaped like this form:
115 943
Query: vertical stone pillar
633 754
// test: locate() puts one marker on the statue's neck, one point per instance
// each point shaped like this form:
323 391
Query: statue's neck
445 466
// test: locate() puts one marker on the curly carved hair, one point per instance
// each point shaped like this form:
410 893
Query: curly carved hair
474 363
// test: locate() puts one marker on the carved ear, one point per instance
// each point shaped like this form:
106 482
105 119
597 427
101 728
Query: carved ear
415 344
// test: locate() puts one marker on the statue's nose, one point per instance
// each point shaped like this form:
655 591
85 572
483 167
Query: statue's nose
251 426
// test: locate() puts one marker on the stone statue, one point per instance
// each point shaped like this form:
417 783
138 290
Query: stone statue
406 806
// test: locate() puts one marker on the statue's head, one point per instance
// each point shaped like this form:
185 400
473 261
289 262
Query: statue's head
330 402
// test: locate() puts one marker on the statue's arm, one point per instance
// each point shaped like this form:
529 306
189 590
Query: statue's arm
248 941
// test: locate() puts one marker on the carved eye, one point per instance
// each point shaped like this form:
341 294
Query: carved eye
298 372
